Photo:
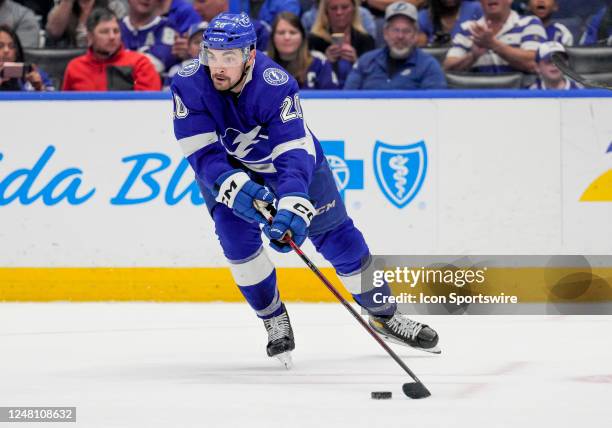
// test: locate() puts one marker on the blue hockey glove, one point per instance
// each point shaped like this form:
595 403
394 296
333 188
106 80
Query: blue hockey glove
236 190
294 214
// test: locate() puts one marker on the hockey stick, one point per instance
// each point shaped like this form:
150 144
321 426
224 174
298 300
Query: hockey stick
560 60
414 389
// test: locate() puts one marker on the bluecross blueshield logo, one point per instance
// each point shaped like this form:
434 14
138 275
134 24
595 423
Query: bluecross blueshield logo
600 190
400 170
347 173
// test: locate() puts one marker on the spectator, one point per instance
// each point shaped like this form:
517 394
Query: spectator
12 51
555 32
107 66
39 7
339 33
501 41
379 7
599 28
289 48
143 30
22 20
549 76
367 19
194 39
66 21
266 10
442 20
208 9
400 64
179 15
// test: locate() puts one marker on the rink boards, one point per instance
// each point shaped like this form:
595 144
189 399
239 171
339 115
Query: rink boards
96 202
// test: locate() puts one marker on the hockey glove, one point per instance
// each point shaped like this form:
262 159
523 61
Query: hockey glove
236 190
294 214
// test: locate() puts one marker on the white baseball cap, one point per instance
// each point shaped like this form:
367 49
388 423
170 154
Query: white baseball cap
401 8
546 50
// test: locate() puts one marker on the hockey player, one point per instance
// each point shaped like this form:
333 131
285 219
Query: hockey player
238 120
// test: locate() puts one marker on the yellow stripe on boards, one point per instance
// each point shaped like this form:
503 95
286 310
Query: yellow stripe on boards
295 284
151 284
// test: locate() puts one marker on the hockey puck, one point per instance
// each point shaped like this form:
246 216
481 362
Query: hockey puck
381 395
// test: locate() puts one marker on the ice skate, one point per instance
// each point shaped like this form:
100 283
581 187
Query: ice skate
280 338
402 330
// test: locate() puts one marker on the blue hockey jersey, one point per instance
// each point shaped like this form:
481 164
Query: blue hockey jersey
262 130
320 74
154 40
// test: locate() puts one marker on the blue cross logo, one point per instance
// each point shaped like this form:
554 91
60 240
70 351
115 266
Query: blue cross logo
347 173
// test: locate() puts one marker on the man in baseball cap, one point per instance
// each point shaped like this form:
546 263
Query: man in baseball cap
550 77
401 8
399 64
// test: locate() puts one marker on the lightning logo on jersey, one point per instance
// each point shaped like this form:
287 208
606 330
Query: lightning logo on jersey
244 141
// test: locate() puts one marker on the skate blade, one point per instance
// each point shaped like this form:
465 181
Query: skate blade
435 350
285 359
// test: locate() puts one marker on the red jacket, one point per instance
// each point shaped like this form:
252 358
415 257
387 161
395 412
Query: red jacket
88 73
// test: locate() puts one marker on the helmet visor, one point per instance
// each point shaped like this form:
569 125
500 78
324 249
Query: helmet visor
222 58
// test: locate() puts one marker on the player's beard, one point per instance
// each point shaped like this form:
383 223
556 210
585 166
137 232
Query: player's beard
227 83
224 84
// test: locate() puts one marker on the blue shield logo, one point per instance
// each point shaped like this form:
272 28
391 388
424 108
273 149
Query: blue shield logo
400 170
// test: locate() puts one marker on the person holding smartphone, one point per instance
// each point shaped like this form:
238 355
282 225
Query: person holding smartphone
66 22
339 33
15 75
289 48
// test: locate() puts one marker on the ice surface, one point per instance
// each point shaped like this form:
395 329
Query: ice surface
204 365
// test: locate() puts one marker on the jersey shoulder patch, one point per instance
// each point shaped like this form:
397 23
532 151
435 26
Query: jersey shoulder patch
275 76
190 68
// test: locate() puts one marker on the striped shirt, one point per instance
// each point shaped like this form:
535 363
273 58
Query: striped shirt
569 84
524 33
556 32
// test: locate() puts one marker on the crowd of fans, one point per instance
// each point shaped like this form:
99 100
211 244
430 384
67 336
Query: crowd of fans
324 44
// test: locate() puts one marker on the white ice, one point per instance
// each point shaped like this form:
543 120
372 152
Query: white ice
204 365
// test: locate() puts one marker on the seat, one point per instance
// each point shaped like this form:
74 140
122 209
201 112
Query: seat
590 59
528 80
52 61
439 52
603 78
458 80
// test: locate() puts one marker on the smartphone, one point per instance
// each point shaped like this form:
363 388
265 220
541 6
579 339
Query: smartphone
15 70
337 38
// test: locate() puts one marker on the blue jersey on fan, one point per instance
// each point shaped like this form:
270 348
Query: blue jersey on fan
261 129
154 40
182 15
320 74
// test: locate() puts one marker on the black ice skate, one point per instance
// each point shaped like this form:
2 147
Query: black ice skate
280 338
402 330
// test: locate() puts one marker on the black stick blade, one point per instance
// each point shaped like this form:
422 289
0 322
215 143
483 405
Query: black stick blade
416 390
